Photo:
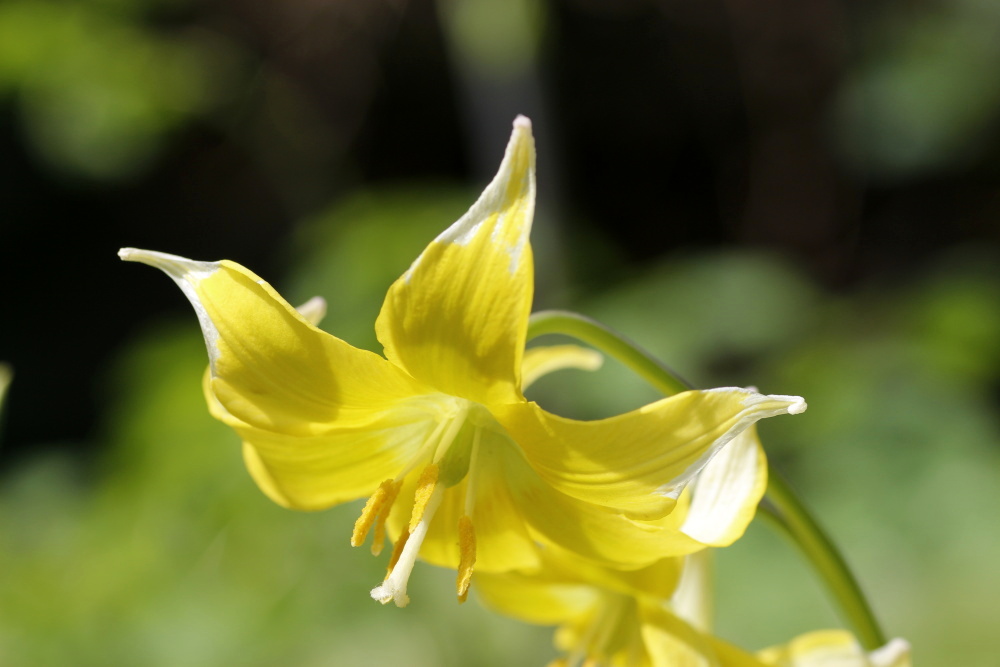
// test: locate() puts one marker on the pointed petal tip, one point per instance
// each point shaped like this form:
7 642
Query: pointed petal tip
176 266
798 405
522 122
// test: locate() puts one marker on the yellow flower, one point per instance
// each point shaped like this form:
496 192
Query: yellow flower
454 461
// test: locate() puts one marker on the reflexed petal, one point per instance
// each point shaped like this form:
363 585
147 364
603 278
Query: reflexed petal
457 319
725 494
539 361
638 462
271 368
835 648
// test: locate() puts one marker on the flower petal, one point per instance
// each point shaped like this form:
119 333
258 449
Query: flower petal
825 648
316 472
604 536
534 599
725 494
692 599
457 319
638 462
271 368
540 361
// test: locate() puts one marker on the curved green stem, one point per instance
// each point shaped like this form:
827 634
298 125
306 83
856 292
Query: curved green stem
786 508
781 503
611 343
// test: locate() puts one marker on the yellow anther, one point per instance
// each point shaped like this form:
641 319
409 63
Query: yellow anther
397 551
467 556
378 537
425 487
384 495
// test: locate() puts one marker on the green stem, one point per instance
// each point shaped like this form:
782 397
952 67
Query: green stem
785 506
611 343
781 503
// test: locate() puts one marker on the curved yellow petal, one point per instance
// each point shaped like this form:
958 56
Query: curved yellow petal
457 319
638 462
823 648
599 534
271 368
540 361
725 494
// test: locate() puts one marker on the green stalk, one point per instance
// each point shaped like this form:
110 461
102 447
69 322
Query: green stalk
609 342
786 508
781 503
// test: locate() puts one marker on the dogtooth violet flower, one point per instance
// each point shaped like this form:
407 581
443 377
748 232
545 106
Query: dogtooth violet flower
458 467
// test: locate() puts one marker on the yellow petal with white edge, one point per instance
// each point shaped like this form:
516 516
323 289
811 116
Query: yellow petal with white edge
457 319
835 648
725 494
638 462
540 361
270 367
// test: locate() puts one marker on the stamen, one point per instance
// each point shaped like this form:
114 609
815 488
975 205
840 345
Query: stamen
425 489
383 497
378 537
467 557
394 586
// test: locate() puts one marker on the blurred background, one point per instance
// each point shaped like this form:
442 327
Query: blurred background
800 196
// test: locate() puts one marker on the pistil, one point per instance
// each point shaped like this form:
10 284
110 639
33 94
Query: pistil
394 586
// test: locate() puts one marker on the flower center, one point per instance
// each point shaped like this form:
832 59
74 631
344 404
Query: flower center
451 450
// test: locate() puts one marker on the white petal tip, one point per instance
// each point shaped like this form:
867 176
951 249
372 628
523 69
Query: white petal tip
798 407
522 122
126 254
